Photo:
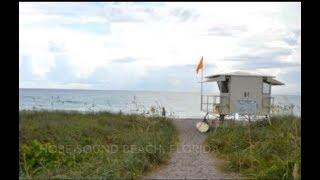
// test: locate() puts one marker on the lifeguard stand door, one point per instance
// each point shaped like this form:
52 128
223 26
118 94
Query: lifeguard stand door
245 94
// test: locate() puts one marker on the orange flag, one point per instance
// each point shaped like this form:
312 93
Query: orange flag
200 65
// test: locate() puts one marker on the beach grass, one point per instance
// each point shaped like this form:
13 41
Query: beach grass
268 150
59 144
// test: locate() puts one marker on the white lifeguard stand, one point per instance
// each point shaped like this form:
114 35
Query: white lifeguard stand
240 92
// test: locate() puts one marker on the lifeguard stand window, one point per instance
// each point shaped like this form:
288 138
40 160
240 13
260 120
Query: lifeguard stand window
266 88
223 86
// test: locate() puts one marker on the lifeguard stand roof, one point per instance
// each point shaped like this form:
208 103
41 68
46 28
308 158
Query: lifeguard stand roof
222 76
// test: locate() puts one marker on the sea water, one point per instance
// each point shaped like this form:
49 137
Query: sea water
176 104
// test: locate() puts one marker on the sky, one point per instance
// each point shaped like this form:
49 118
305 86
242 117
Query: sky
156 46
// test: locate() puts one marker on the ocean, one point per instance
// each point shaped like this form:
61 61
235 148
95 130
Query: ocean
177 104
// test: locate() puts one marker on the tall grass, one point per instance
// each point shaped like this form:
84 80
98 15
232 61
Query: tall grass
268 150
59 144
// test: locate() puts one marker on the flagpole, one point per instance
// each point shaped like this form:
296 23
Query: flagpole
201 87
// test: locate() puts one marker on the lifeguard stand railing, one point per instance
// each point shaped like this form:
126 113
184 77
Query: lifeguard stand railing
220 104
214 103
267 103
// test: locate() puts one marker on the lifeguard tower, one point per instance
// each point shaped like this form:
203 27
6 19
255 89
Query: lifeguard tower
240 92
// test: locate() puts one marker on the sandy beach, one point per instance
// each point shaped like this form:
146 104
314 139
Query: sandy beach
190 160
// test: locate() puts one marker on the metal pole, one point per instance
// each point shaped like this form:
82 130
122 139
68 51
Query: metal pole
207 103
201 87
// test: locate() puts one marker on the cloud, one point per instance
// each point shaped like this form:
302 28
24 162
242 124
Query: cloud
55 48
292 79
130 12
293 37
225 30
25 69
90 27
154 45
62 71
268 58
175 78
124 60
184 14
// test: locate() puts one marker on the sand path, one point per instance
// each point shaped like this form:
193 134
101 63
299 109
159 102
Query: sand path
190 160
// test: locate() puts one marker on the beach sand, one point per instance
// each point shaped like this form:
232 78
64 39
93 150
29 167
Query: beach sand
190 160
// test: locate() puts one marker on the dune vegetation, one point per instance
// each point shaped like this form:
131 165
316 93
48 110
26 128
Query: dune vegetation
262 150
59 144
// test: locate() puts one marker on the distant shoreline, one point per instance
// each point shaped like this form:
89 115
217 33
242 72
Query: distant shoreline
153 91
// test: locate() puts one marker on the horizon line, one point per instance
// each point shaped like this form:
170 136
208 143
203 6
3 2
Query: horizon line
136 90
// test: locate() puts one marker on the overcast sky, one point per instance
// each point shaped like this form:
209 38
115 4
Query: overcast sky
156 46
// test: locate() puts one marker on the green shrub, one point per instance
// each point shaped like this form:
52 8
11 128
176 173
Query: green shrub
76 145
274 151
